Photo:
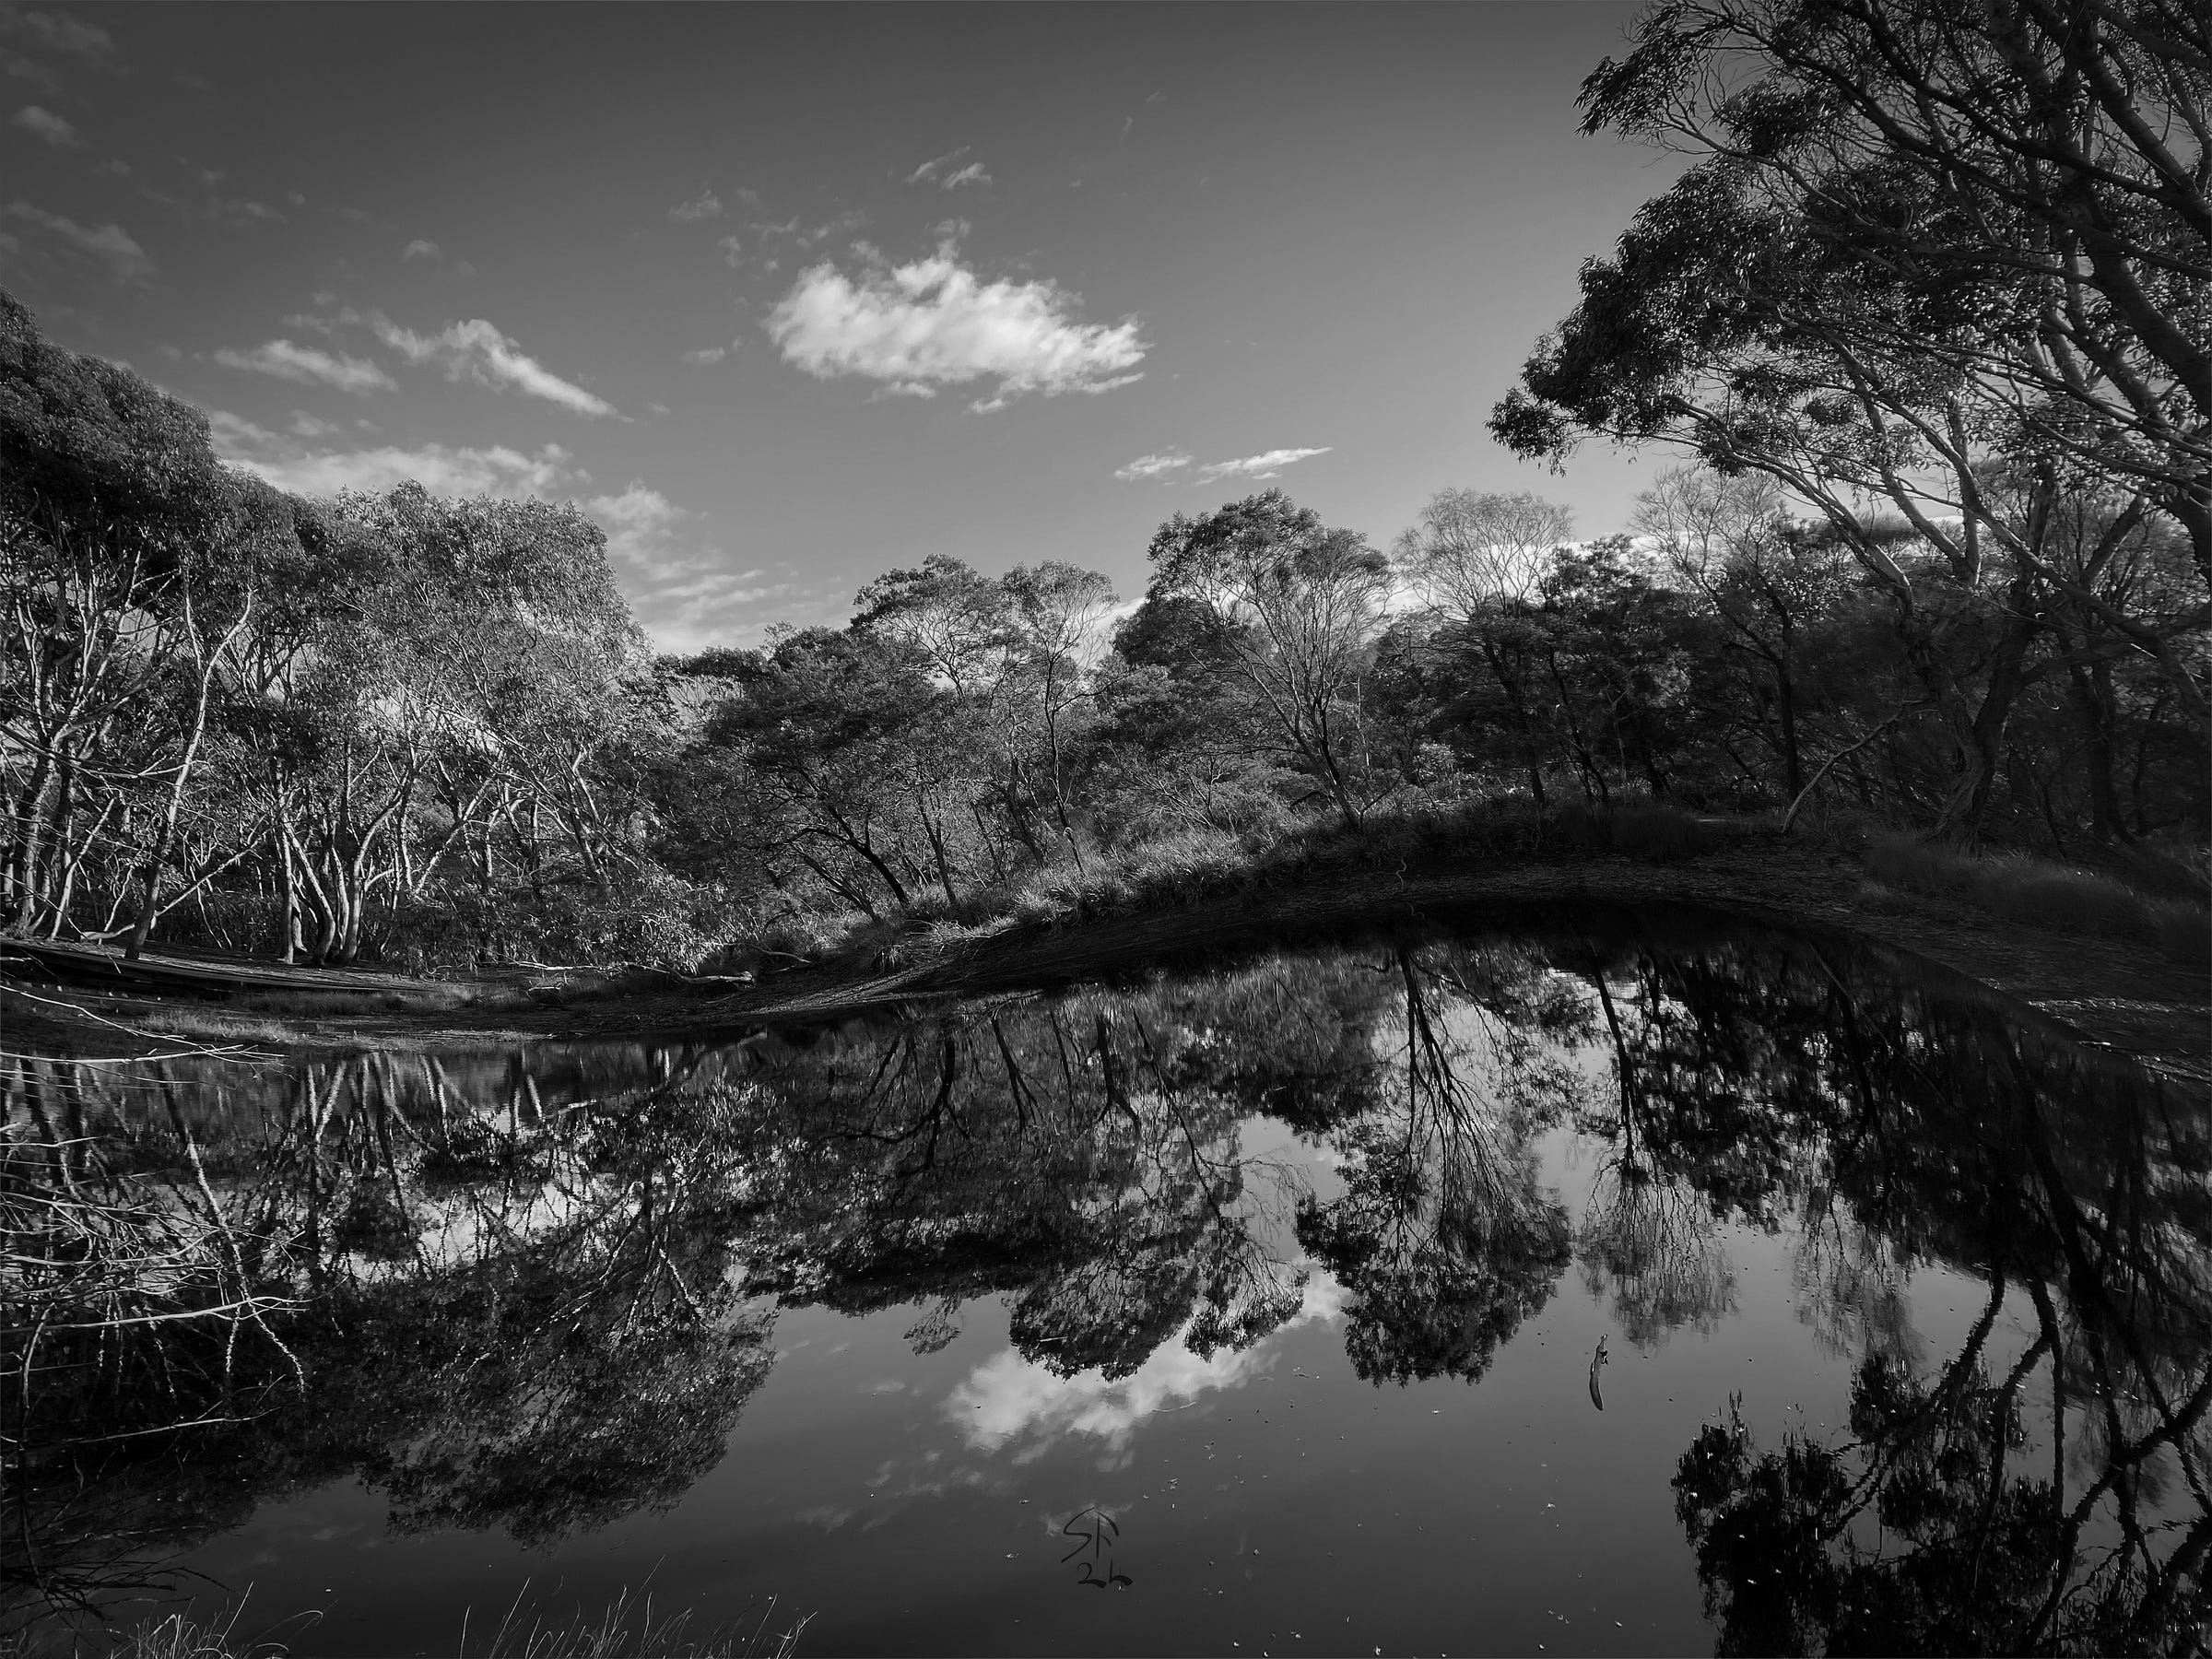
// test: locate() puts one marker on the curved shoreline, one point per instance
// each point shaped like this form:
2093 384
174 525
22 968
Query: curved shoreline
2103 994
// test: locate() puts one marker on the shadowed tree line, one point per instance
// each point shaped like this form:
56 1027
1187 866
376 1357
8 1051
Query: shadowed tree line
535 1291
1924 315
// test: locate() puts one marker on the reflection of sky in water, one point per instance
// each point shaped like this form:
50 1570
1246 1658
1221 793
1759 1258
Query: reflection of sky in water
1754 1184
1011 1402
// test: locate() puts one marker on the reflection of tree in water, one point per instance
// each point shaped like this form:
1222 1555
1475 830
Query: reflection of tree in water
528 1294
532 1291
1655 1244
1957 1512
1647 1231
1081 1155
1441 1232
512 1325
1849 1286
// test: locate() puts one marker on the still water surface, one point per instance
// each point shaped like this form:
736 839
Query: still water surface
1251 1309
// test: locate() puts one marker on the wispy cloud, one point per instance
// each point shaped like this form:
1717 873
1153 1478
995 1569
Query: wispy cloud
929 170
685 594
731 249
44 124
1152 466
1265 465
837 224
475 350
706 605
288 464
946 175
57 33
18 68
309 365
705 205
707 353
110 245
934 323
420 248
233 210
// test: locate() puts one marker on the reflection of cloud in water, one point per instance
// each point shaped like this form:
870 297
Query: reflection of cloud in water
1008 1399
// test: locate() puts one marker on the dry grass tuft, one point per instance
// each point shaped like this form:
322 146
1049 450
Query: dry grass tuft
627 1629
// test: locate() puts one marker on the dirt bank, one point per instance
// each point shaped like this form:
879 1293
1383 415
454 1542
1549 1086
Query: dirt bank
2119 996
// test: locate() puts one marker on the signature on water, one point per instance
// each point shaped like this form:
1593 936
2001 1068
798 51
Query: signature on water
1094 1533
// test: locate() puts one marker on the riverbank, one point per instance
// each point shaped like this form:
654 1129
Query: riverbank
2119 995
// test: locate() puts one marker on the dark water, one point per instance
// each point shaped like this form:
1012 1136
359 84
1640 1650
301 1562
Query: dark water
1249 1310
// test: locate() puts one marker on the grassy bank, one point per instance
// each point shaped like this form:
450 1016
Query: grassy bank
1207 868
2118 965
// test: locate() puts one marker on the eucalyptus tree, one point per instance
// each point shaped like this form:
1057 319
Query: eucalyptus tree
1016 654
126 574
1925 245
1056 616
1767 580
514 641
853 765
1479 557
1289 610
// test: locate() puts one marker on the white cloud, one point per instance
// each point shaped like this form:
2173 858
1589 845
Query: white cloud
110 245
942 173
1010 1401
309 426
1265 465
1152 466
60 33
705 205
288 464
420 248
44 124
929 170
707 353
637 522
309 365
731 249
934 322
475 350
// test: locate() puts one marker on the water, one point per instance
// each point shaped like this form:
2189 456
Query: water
1251 1308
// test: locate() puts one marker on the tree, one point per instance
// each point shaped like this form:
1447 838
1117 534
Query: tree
1950 256
1055 616
1481 558
855 762
126 575
1291 610
1764 578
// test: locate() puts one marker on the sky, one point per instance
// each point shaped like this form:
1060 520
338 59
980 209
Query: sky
785 297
